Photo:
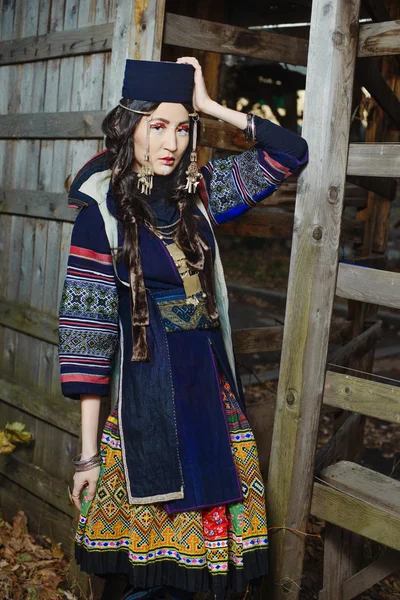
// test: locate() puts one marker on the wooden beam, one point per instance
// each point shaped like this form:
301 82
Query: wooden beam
87 125
356 348
374 160
37 203
379 39
370 160
217 134
37 481
362 581
228 39
29 321
67 125
368 285
375 40
384 186
311 287
352 513
57 44
369 75
260 223
55 410
370 398
262 339
366 484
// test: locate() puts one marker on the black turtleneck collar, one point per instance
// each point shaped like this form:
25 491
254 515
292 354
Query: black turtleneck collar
162 189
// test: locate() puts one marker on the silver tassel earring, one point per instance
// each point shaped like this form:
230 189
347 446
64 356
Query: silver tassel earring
146 173
193 173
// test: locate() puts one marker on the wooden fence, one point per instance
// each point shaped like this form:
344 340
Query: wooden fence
61 67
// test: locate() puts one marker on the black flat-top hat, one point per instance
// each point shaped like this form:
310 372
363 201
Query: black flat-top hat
158 81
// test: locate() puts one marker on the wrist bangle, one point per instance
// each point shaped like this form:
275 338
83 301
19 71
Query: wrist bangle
87 463
88 467
250 128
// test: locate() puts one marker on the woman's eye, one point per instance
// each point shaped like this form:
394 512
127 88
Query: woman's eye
157 127
183 131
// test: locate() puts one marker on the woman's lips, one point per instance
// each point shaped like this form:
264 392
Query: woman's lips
167 160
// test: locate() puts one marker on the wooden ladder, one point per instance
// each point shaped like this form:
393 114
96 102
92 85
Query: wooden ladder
346 494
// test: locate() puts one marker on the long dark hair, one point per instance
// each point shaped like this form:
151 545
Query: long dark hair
119 127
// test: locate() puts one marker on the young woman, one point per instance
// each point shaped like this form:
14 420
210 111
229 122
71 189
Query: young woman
174 499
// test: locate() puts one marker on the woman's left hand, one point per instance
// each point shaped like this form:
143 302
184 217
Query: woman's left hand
201 99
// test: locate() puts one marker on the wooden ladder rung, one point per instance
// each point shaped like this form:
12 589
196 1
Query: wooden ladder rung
371 398
374 160
360 500
368 285
258 339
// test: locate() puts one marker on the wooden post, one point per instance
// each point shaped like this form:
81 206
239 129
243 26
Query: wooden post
312 280
138 31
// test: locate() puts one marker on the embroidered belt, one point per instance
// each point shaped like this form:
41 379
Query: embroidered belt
177 315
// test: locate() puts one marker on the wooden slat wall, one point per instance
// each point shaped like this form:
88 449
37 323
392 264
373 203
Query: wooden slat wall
34 252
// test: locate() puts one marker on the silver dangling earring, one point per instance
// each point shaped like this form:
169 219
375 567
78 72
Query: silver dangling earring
193 173
146 173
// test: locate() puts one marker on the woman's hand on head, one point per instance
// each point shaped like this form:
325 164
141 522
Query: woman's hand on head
201 99
85 480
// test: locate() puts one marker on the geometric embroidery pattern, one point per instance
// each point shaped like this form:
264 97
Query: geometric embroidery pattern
179 316
200 539
90 301
88 343
235 179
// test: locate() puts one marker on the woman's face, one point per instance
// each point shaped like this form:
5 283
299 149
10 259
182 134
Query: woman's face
169 138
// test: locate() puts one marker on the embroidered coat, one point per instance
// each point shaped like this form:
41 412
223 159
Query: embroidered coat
171 422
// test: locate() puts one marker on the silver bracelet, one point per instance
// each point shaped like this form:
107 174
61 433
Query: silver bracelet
87 463
89 466
250 128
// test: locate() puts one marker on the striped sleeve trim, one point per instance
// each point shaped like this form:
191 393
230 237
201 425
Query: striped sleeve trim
104 259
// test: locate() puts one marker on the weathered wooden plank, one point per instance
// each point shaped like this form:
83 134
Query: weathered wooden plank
56 410
52 125
311 287
262 339
36 203
42 519
30 321
368 74
374 160
367 519
341 549
261 223
7 339
36 480
57 44
228 39
371 398
365 484
368 285
382 567
379 39
138 31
